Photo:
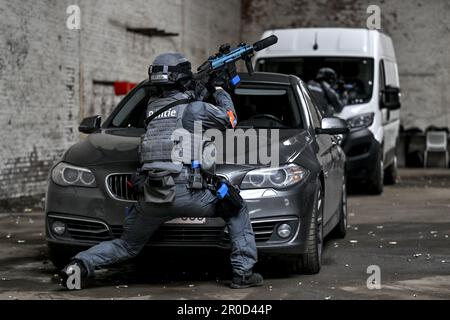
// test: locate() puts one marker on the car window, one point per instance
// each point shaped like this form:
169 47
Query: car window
382 78
127 109
131 112
391 74
260 106
256 107
315 113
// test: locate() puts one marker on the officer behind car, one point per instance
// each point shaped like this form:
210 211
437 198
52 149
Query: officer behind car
326 97
168 191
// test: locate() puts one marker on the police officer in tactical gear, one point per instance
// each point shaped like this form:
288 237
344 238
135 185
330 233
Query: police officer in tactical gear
326 97
167 188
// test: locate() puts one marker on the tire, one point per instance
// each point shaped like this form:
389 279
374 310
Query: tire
311 262
391 173
59 257
340 231
376 184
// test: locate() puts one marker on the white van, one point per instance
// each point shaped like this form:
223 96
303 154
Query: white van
365 63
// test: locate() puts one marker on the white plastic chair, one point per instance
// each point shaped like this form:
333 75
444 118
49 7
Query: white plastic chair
437 143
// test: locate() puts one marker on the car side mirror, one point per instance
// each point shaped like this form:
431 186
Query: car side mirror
90 125
390 98
333 126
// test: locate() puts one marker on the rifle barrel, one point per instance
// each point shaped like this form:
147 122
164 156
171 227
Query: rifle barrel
265 43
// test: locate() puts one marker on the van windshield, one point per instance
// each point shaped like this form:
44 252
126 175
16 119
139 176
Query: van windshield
355 75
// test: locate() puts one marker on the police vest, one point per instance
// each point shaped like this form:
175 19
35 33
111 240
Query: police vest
166 143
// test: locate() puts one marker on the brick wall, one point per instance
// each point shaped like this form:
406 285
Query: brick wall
47 72
420 30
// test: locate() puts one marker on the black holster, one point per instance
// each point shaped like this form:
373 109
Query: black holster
159 187
232 203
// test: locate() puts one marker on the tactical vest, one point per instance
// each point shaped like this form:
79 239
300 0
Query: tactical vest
158 148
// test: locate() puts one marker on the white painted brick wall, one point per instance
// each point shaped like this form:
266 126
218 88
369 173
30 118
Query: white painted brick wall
47 71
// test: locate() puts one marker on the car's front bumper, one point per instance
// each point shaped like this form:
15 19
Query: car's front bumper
92 216
362 151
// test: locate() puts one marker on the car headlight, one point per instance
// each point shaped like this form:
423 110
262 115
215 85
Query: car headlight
361 121
277 178
67 175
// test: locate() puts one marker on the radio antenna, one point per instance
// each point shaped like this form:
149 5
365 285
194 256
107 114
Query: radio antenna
316 42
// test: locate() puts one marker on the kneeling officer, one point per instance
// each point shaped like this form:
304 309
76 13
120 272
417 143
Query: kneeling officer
175 189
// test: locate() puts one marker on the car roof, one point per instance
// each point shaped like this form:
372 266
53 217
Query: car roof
266 77
260 77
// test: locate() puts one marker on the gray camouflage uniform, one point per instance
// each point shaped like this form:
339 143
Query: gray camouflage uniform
145 218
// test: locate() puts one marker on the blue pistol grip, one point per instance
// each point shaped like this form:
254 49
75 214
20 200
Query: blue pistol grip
196 164
222 192
236 80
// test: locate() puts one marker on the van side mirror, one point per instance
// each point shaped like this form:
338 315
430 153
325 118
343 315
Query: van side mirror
390 98
333 126
90 125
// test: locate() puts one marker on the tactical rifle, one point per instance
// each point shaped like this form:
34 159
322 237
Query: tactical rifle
220 69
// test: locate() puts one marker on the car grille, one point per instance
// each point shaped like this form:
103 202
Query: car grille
83 229
263 231
97 231
205 235
118 187
181 234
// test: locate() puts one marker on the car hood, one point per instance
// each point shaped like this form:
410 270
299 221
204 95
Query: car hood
105 147
122 145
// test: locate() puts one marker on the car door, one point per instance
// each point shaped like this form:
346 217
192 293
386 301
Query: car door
390 118
338 171
325 157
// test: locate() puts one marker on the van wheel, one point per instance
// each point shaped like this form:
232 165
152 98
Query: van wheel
340 231
311 262
391 173
376 184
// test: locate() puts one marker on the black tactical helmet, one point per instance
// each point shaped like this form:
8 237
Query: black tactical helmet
169 69
328 75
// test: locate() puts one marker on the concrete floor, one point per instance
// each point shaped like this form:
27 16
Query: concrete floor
405 232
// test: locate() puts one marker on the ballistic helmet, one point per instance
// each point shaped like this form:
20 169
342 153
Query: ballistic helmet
327 74
169 68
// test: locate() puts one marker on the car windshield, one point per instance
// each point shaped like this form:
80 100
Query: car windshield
355 75
272 107
256 107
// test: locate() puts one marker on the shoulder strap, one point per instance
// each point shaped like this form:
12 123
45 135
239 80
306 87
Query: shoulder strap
164 109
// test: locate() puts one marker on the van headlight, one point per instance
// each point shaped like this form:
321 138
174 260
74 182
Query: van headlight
277 178
67 175
361 121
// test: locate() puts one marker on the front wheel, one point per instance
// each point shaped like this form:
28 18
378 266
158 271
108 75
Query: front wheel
311 262
376 184
391 173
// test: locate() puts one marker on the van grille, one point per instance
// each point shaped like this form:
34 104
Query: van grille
118 187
